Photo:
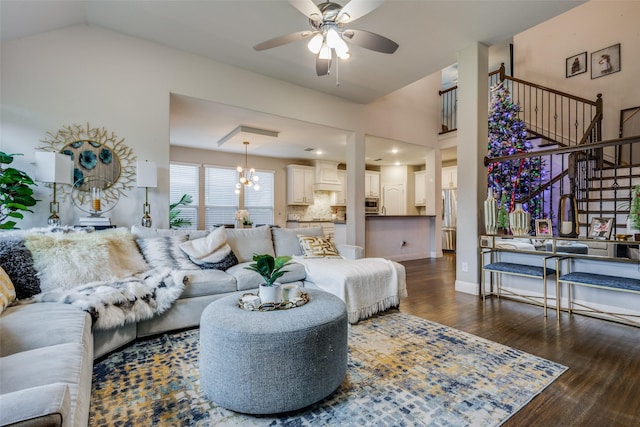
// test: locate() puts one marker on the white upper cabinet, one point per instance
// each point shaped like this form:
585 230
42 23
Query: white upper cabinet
300 180
372 184
339 198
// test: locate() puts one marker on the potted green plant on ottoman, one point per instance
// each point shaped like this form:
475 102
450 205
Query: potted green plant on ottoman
270 269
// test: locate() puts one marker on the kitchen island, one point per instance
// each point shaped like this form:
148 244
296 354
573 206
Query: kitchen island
400 237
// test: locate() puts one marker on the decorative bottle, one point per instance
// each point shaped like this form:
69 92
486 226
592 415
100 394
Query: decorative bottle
490 213
519 221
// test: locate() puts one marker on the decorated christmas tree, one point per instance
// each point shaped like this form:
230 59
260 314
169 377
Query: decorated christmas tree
508 136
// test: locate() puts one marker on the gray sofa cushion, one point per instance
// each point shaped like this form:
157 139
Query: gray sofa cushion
69 363
248 279
46 405
285 240
25 327
208 282
245 242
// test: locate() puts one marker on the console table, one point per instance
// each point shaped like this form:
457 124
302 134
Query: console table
592 272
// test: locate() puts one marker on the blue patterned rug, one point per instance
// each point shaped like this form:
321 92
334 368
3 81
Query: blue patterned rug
403 371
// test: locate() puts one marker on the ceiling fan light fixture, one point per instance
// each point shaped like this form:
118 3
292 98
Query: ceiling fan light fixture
333 38
343 18
325 52
341 49
343 56
315 44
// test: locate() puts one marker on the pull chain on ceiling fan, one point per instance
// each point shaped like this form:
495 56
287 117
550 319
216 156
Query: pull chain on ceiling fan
328 33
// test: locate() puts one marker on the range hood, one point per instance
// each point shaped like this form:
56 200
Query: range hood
327 176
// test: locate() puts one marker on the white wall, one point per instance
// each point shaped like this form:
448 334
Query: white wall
86 74
540 54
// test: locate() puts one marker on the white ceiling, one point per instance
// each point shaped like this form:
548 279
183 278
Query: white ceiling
429 34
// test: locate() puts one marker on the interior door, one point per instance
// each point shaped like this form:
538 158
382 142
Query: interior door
393 200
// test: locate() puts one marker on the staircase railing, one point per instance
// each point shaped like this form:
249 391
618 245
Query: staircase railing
601 193
555 117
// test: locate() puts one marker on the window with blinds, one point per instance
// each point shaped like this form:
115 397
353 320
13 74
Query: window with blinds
259 203
183 179
220 199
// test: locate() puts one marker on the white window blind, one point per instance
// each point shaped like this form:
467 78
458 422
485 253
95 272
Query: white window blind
183 179
221 201
259 203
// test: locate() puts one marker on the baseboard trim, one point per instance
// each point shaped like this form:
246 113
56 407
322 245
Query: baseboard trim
467 287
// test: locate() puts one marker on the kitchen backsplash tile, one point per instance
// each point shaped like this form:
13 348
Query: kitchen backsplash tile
321 208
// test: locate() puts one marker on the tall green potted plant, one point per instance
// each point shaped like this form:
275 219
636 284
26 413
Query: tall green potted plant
16 194
634 213
270 269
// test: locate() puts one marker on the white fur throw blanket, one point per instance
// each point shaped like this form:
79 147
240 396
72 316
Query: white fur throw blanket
367 285
114 303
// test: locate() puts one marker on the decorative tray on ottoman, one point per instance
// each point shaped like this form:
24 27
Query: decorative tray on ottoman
248 302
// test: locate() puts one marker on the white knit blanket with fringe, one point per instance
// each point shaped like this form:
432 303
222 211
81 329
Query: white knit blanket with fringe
113 303
367 285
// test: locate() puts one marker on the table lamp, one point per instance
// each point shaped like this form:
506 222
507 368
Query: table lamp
55 168
146 176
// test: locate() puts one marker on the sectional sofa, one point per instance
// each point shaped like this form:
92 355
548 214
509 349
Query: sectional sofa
48 344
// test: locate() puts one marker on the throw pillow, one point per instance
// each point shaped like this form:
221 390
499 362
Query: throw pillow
7 291
245 242
17 262
164 251
285 240
227 262
210 249
64 261
313 246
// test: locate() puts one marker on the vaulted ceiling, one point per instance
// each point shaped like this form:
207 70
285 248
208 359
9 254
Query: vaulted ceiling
429 33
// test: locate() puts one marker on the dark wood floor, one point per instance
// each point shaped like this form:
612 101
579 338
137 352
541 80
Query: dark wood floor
601 386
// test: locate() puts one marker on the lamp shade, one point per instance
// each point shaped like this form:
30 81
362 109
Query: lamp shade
146 174
54 167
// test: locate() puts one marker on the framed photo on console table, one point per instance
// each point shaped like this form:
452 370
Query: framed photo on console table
543 227
600 228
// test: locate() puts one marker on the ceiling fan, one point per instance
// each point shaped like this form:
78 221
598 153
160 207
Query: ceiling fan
328 33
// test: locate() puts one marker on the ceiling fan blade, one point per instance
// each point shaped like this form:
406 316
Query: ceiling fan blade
308 9
279 41
357 8
322 66
371 41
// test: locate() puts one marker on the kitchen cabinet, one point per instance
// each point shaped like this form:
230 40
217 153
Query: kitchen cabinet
371 184
420 188
300 180
339 198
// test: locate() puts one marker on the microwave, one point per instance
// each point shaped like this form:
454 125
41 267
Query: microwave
371 205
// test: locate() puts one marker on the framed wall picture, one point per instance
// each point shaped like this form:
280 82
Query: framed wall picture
605 61
576 64
600 228
543 227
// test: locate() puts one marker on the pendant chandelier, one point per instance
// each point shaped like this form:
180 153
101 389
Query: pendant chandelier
248 177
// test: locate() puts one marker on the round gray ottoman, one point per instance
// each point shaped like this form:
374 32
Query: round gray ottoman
277 361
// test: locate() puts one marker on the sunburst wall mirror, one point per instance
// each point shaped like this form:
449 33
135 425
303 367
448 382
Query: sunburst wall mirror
103 166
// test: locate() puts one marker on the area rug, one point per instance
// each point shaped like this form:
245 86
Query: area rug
402 371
